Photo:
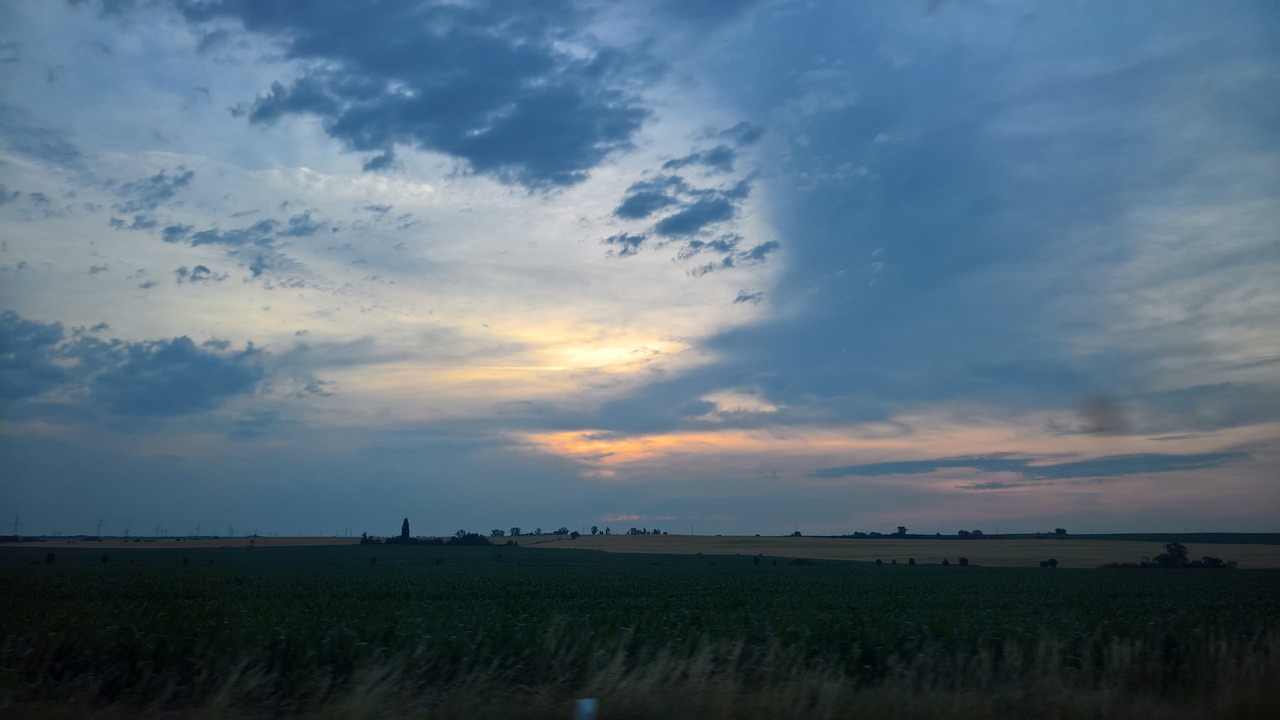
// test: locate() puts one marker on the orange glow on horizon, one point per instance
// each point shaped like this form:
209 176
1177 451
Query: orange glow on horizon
608 455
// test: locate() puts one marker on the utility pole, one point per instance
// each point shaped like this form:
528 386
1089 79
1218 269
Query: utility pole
99 533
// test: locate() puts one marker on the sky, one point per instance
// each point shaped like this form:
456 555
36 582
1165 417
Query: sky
308 268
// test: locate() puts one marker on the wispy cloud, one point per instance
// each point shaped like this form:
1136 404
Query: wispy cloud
1037 469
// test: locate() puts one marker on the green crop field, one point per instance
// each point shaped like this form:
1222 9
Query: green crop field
510 632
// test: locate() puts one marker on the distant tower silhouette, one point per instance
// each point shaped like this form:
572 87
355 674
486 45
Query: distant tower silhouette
404 529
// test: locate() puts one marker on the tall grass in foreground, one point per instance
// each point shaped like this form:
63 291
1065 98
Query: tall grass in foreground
710 679
667 638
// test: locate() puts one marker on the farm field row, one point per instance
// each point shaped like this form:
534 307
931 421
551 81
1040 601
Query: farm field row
512 632
1069 552
991 552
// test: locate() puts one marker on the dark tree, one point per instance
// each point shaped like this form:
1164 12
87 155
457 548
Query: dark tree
911 561
515 532
497 533
1059 531
466 538
795 534
1174 555
902 531
404 529
595 530
574 535
963 533
879 562
964 562
976 534
946 562
1051 562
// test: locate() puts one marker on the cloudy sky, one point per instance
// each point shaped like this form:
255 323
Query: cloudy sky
736 267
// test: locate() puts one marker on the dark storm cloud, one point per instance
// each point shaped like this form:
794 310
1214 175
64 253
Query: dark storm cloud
1110 466
761 251
156 378
965 256
173 377
697 210
696 216
151 192
647 197
28 355
718 158
176 233
487 82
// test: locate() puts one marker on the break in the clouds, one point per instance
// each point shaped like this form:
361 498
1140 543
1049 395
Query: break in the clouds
750 265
